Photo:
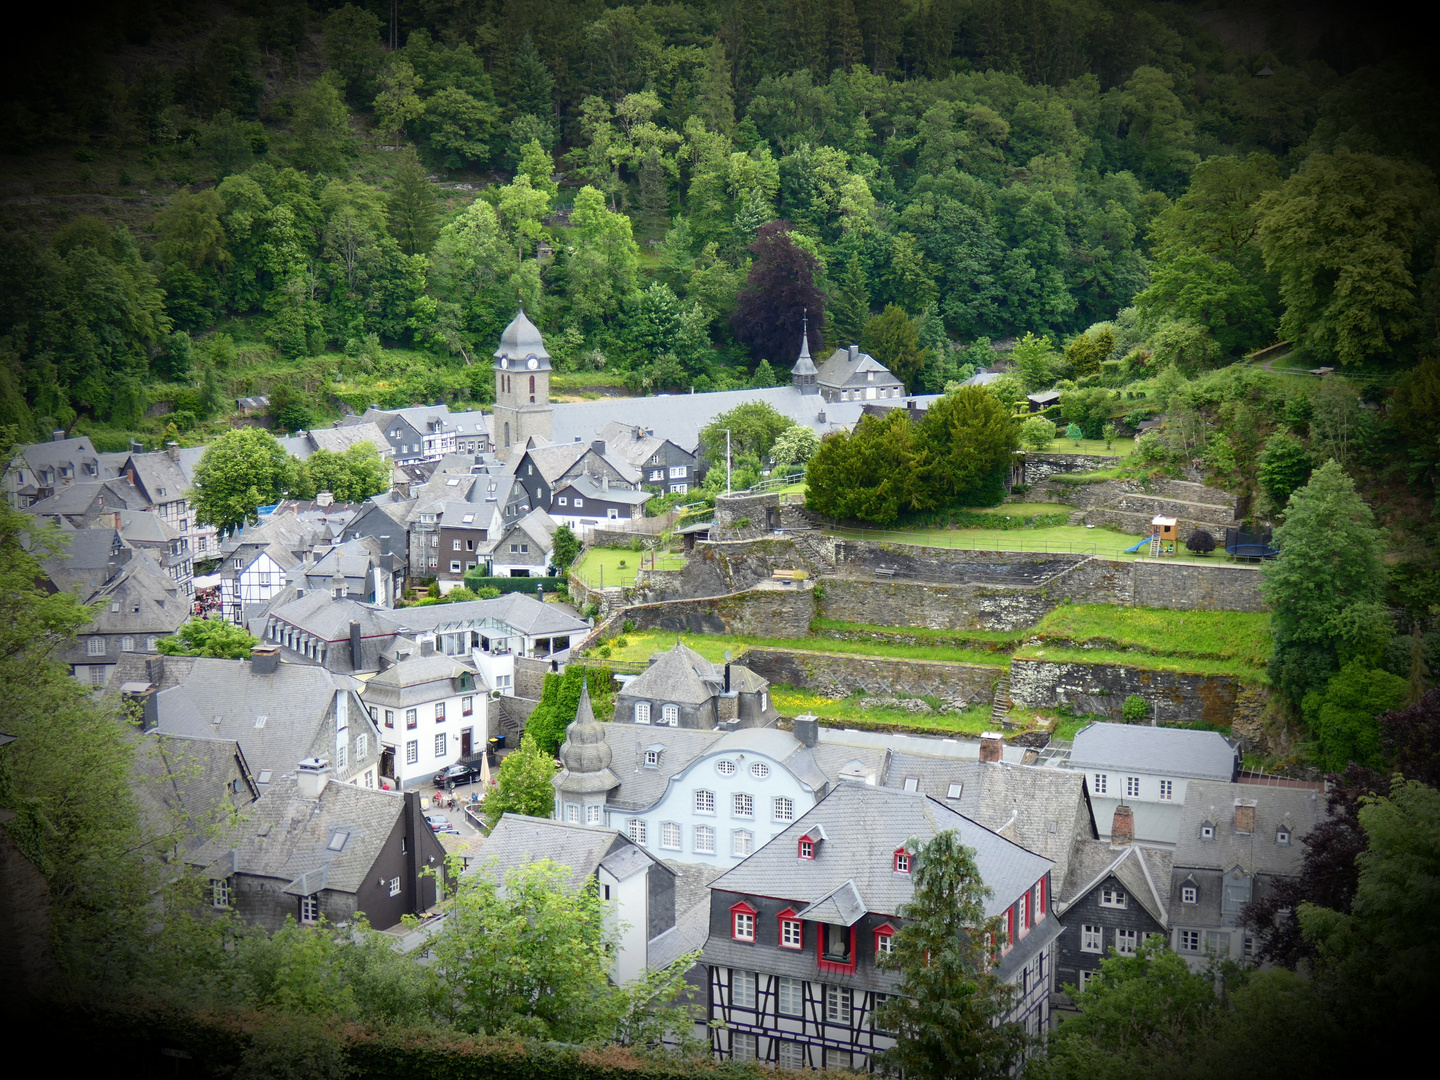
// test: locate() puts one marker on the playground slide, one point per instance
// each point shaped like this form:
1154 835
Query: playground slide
1139 545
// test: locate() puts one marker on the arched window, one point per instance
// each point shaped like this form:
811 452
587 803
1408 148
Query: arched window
532 384
507 434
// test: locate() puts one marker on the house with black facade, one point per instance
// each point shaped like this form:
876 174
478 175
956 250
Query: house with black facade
797 929
665 468
1119 895
681 688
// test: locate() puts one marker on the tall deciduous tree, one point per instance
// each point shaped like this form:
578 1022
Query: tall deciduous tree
209 637
779 291
352 476
948 1017
753 426
1344 233
240 472
522 784
1330 562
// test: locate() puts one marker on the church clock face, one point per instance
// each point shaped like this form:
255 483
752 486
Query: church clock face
504 361
532 363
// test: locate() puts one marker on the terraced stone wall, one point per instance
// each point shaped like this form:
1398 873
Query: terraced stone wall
1173 697
837 675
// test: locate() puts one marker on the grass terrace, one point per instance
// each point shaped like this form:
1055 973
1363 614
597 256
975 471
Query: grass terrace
851 712
644 644
1108 543
604 565
1232 636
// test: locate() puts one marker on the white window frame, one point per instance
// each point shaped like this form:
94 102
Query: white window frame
394 886
221 894
95 646
1127 941
670 835
742 843
782 808
1092 938
412 752
839 1004
1113 897
742 804
440 744
744 1046
309 910
669 715
790 996
792 934
742 989
1167 791
594 814
642 712
704 801
1099 783
1189 894
742 926
1187 941
637 830
1132 787
704 840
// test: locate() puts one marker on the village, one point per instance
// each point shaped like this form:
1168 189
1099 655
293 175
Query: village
360 735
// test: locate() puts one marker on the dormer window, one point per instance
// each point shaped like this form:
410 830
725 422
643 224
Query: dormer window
902 861
792 930
1189 894
1282 836
1207 830
806 849
884 940
742 922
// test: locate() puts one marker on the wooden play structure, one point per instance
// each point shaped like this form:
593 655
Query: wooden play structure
1164 536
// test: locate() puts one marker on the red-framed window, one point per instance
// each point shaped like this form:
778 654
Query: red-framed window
1025 913
902 861
1009 941
806 848
742 922
1041 891
884 940
832 959
792 930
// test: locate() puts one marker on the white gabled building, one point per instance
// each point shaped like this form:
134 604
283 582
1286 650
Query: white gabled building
431 710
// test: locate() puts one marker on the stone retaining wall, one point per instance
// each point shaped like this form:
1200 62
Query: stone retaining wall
1040 467
837 675
938 607
1173 697
951 566
783 611
530 675
1182 586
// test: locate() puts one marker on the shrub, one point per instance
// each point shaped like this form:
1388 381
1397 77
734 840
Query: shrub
622 642
1134 709
1201 542
603 652
592 611
629 627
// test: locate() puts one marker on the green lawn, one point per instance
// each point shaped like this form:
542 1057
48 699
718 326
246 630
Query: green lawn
644 644
1060 538
1145 661
1213 635
1119 447
954 639
793 702
1025 509
603 565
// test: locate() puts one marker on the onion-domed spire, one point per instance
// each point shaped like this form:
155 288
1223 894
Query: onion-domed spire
585 755
519 342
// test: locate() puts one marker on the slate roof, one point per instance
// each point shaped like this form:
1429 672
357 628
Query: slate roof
537 525
339 439
1044 810
519 839
841 370
641 788
322 616
1299 809
183 785
287 838
680 417
521 339
587 486
864 826
519 611
55 453
224 699
470 424
1203 755
413 681
622 438
85 564
679 674
139 584
1144 872
86 496
161 479
692 914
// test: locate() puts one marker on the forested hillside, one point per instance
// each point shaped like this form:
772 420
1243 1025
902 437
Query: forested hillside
205 201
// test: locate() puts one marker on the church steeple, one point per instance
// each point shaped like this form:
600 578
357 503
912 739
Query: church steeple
802 375
522 388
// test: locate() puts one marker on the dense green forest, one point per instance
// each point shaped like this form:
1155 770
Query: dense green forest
349 201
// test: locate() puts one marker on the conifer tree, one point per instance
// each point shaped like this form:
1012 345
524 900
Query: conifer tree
411 206
849 308
715 100
532 87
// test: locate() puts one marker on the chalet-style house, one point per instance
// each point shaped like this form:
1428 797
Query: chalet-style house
1149 769
638 890
1235 841
797 929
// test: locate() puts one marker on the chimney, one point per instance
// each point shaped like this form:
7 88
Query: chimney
820 418
598 446
1244 816
1122 829
854 353
57 436
312 776
155 669
727 678
148 712
264 659
992 746
807 730
605 483
172 450
136 447
324 498
427 647
355 650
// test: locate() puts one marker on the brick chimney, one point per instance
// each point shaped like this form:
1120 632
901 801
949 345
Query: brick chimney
1244 816
264 659
1122 829
992 746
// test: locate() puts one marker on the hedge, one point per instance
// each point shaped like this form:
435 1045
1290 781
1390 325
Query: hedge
475 581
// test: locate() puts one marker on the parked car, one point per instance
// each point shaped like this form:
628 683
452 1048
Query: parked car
462 772
441 824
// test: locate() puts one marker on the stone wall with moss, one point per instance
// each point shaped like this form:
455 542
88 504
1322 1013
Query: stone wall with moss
1173 697
838 675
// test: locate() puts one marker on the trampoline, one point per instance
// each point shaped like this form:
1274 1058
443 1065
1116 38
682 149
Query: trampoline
1243 545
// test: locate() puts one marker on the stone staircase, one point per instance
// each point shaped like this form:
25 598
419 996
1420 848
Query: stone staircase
1000 704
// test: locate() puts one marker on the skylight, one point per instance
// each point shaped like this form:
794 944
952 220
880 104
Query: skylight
337 841
260 720
467 519
953 792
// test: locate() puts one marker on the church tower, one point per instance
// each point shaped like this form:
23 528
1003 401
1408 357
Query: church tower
585 778
802 375
522 388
